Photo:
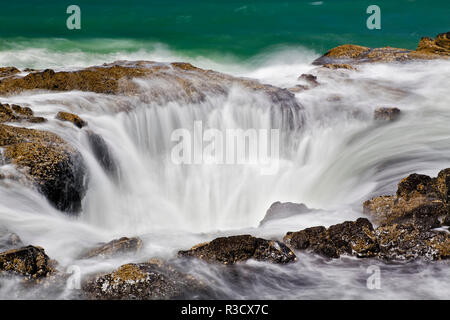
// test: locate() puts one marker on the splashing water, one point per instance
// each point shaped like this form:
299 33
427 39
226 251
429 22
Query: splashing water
338 159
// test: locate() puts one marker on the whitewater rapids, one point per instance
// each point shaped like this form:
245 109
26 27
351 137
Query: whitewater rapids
339 158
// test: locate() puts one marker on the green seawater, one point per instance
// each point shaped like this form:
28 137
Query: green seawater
216 28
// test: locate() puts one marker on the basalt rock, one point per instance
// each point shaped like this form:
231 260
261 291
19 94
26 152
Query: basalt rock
419 199
153 280
350 237
28 261
16 113
230 250
427 49
56 168
70 117
388 114
407 242
9 240
335 66
180 80
115 247
280 210
8 71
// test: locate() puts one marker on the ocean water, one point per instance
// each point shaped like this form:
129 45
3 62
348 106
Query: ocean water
340 158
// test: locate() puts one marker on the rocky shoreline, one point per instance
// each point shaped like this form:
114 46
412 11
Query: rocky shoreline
412 224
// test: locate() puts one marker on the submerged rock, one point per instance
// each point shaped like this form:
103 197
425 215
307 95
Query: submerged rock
153 280
335 66
9 240
352 238
56 168
115 247
354 54
280 210
70 117
29 261
102 152
310 79
230 250
388 114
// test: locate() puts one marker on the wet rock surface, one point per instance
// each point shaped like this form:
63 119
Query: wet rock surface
28 261
56 168
115 247
386 113
428 49
230 250
16 113
186 82
153 280
419 199
70 117
351 238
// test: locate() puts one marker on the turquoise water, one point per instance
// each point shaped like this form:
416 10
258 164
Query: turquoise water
234 27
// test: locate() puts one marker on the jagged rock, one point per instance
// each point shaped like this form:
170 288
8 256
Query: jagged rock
230 250
440 45
55 167
420 199
114 247
9 240
407 242
29 261
280 210
101 152
15 113
70 117
8 71
354 54
388 114
352 238
153 280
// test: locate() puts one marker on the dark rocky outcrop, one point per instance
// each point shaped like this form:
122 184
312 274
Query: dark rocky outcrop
28 261
153 280
70 117
419 199
16 113
230 250
407 242
115 247
350 54
280 210
351 238
408 219
56 168
388 114
8 71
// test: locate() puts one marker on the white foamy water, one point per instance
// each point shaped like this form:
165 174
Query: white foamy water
338 159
